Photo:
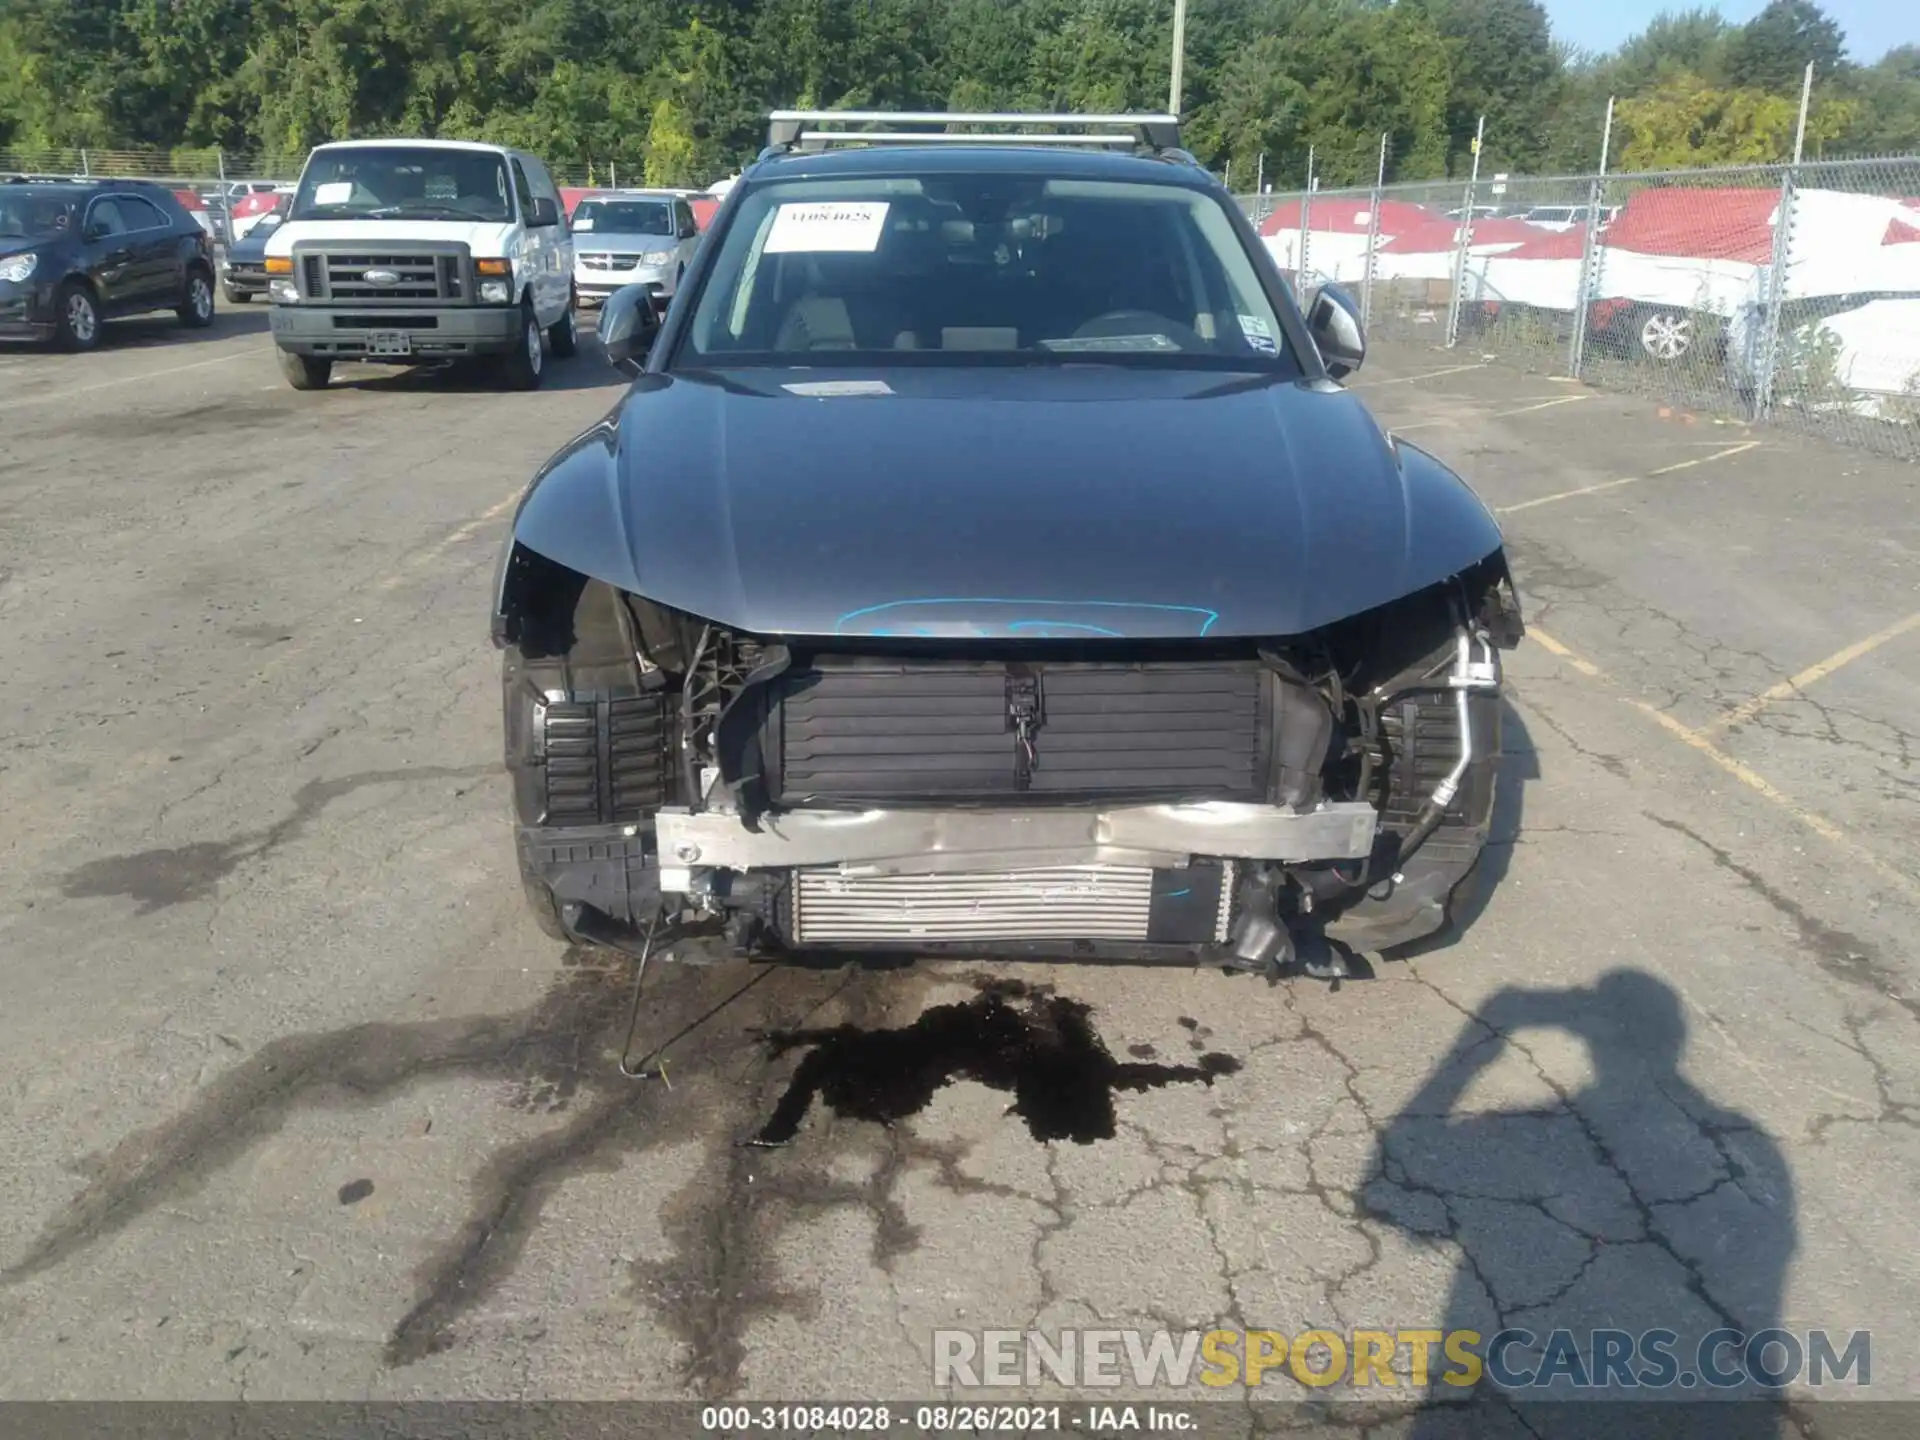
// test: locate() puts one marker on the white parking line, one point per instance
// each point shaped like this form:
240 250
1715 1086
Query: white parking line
1626 480
1409 379
51 396
1543 405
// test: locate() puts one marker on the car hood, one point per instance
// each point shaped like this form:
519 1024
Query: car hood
1019 502
484 238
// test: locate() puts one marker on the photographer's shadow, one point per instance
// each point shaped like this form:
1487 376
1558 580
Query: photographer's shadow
1632 1203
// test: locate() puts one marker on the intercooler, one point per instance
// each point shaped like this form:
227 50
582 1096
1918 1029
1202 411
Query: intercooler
1066 902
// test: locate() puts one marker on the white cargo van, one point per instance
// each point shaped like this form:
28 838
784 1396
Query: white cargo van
417 252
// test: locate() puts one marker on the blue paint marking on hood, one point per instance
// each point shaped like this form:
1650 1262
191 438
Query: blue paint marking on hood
997 503
990 618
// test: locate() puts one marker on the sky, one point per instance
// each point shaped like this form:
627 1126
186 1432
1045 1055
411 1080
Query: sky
1872 27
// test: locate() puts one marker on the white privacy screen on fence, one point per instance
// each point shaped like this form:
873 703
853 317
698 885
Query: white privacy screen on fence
1781 293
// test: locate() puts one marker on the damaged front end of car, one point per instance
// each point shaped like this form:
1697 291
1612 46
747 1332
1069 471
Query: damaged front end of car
1038 784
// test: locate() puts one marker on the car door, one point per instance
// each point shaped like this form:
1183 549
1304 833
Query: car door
159 274
109 254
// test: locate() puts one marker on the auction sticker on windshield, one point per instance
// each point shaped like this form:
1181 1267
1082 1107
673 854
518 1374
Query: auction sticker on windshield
827 226
334 192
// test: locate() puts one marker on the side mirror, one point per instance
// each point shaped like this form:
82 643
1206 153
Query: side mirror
628 326
545 211
1333 319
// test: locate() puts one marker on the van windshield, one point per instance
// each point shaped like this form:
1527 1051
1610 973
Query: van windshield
625 217
402 182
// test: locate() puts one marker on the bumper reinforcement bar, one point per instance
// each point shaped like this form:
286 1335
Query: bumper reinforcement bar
911 842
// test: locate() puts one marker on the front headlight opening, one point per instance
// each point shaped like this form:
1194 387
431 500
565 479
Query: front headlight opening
656 257
282 290
18 267
496 292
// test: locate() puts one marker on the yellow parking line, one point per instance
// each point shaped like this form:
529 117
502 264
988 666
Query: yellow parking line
1794 684
1628 480
1553 646
447 542
1430 375
1696 740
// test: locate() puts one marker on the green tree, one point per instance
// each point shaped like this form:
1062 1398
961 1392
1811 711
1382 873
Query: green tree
1688 122
1504 67
1886 112
1771 52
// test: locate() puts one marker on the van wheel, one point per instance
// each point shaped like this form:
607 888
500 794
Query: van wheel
563 335
522 366
304 372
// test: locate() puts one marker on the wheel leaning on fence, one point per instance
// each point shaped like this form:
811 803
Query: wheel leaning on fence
1666 337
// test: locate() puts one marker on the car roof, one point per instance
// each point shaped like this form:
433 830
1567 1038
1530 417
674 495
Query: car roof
1051 161
82 187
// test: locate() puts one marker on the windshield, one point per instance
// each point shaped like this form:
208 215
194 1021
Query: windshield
625 217
973 269
37 215
399 182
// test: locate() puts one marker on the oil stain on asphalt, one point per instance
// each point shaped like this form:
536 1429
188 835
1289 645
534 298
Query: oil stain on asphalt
176 874
1024 1039
557 1058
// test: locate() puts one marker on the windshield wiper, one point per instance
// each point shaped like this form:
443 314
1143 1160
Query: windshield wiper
421 212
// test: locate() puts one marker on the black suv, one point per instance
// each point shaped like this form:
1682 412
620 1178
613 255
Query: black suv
76 252
987 556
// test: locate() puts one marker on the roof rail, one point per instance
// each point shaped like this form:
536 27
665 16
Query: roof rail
787 129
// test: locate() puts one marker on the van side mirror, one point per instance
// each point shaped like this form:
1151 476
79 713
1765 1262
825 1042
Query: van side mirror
1333 319
629 325
545 211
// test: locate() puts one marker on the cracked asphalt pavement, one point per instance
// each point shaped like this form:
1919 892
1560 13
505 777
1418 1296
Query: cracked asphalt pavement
299 1104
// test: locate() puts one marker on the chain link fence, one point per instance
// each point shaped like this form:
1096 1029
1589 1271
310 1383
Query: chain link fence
1788 294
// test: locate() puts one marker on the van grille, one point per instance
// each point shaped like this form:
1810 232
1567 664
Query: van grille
383 275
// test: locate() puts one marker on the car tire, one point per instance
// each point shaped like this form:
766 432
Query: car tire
522 366
563 336
1663 337
235 297
76 322
304 372
196 305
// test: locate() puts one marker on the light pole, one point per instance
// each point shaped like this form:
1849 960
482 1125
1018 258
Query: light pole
1179 55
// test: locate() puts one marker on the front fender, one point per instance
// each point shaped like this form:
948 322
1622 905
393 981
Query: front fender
570 516
1449 527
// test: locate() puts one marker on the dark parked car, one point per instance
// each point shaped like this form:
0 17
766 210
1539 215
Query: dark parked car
246 269
986 558
74 253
